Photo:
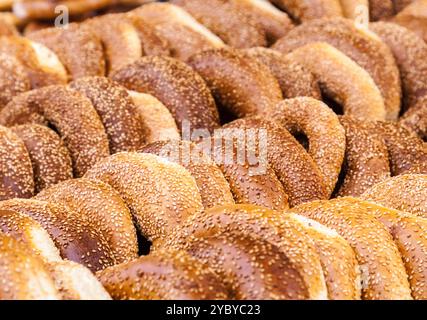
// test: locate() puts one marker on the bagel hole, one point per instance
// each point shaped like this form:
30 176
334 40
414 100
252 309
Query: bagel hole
334 105
302 139
341 179
225 115
144 245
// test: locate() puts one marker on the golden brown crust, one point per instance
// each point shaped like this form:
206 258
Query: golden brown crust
26 53
160 194
364 48
405 193
410 53
232 24
13 79
183 34
294 79
213 187
103 206
177 86
16 172
116 110
76 237
163 275
296 170
310 9
326 136
49 157
230 237
366 160
24 275
79 126
239 83
78 48
343 80
410 236
157 120
383 273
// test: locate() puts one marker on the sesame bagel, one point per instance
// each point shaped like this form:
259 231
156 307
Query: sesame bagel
24 275
228 21
156 119
42 65
321 126
409 234
103 206
239 83
343 80
50 158
76 237
16 172
213 187
160 194
177 86
310 9
383 274
183 34
163 275
294 79
116 110
80 126
406 193
366 161
13 79
365 48
410 53
28 231
296 170
78 48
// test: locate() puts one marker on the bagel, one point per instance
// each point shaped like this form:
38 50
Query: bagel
296 170
115 107
366 162
177 86
78 48
159 193
41 64
183 34
294 79
415 118
16 172
305 10
77 238
413 17
273 21
49 157
43 9
381 9
24 275
28 231
121 42
102 205
410 52
79 126
214 189
339 263
239 83
405 193
406 150
75 282
342 80
13 79
409 234
165 275
230 237
383 273
7 28
229 21
365 48
157 120
326 137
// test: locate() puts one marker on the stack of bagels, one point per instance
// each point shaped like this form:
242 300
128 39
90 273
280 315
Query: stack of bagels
220 149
